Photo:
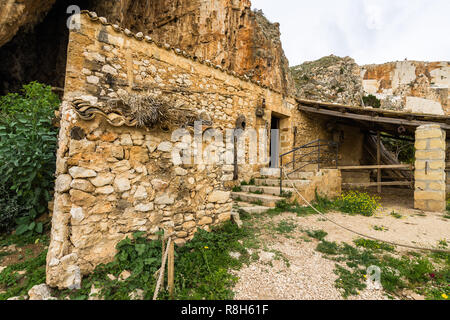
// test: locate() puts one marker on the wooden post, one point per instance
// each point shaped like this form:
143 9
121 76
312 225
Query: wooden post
162 255
378 162
171 269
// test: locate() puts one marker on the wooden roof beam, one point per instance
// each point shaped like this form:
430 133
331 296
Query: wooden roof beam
379 119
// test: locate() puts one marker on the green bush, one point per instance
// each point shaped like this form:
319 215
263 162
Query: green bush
355 202
28 141
372 101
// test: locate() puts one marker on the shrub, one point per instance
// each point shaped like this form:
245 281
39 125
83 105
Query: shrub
9 209
355 202
372 101
27 153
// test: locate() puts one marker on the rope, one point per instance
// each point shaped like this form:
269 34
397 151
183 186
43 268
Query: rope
161 272
359 233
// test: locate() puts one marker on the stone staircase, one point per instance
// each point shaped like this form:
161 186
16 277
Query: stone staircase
265 193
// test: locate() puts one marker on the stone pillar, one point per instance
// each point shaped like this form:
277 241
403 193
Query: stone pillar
429 173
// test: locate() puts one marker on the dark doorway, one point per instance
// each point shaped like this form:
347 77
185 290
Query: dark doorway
274 142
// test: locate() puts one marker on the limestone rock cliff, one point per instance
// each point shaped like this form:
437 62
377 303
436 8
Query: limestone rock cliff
410 85
329 79
227 32
15 14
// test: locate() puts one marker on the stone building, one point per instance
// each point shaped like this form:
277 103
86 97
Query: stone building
123 166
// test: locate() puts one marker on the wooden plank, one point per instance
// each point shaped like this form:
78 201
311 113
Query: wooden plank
375 184
171 269
383 166
414 123
350 108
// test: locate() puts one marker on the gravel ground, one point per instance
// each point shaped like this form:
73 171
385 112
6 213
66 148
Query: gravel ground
310 276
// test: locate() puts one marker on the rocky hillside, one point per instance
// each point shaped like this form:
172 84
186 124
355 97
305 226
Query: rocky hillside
410 85
227 32
329 79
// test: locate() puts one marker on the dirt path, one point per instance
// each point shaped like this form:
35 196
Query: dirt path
309 276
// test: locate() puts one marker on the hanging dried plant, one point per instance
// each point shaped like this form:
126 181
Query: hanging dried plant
149 111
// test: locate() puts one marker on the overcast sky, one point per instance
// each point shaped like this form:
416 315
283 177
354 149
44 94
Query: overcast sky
370 31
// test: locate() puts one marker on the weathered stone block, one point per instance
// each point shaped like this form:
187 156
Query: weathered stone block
81 198
165 146
105 190
437 144
165 200
62 183
83 185
103 179
79 172
205 220
421 144
219 196
144 207
82 146
122 184
429 132
430 176
430 155
139 154
429 195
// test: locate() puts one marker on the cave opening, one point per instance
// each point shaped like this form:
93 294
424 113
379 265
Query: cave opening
39 52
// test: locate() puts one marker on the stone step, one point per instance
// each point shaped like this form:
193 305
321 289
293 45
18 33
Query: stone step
275 173
270 172
286 184
264 199
302 175
251 208
274 190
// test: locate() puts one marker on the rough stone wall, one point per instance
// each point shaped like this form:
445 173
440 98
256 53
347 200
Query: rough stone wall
115 179
419 87
227 32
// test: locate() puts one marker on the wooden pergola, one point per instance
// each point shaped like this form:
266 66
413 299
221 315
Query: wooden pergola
375 121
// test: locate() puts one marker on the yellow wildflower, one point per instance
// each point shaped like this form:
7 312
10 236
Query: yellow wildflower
444 296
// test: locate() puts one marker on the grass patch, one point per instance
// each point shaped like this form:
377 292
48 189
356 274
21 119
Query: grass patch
372 244
396 215
380 228
427 275
316 234
252 182
17 284
237 189
257 203
202 267
285 227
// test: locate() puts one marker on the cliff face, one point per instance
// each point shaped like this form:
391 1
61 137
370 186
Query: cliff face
410 85
329 79
226 32
15 14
